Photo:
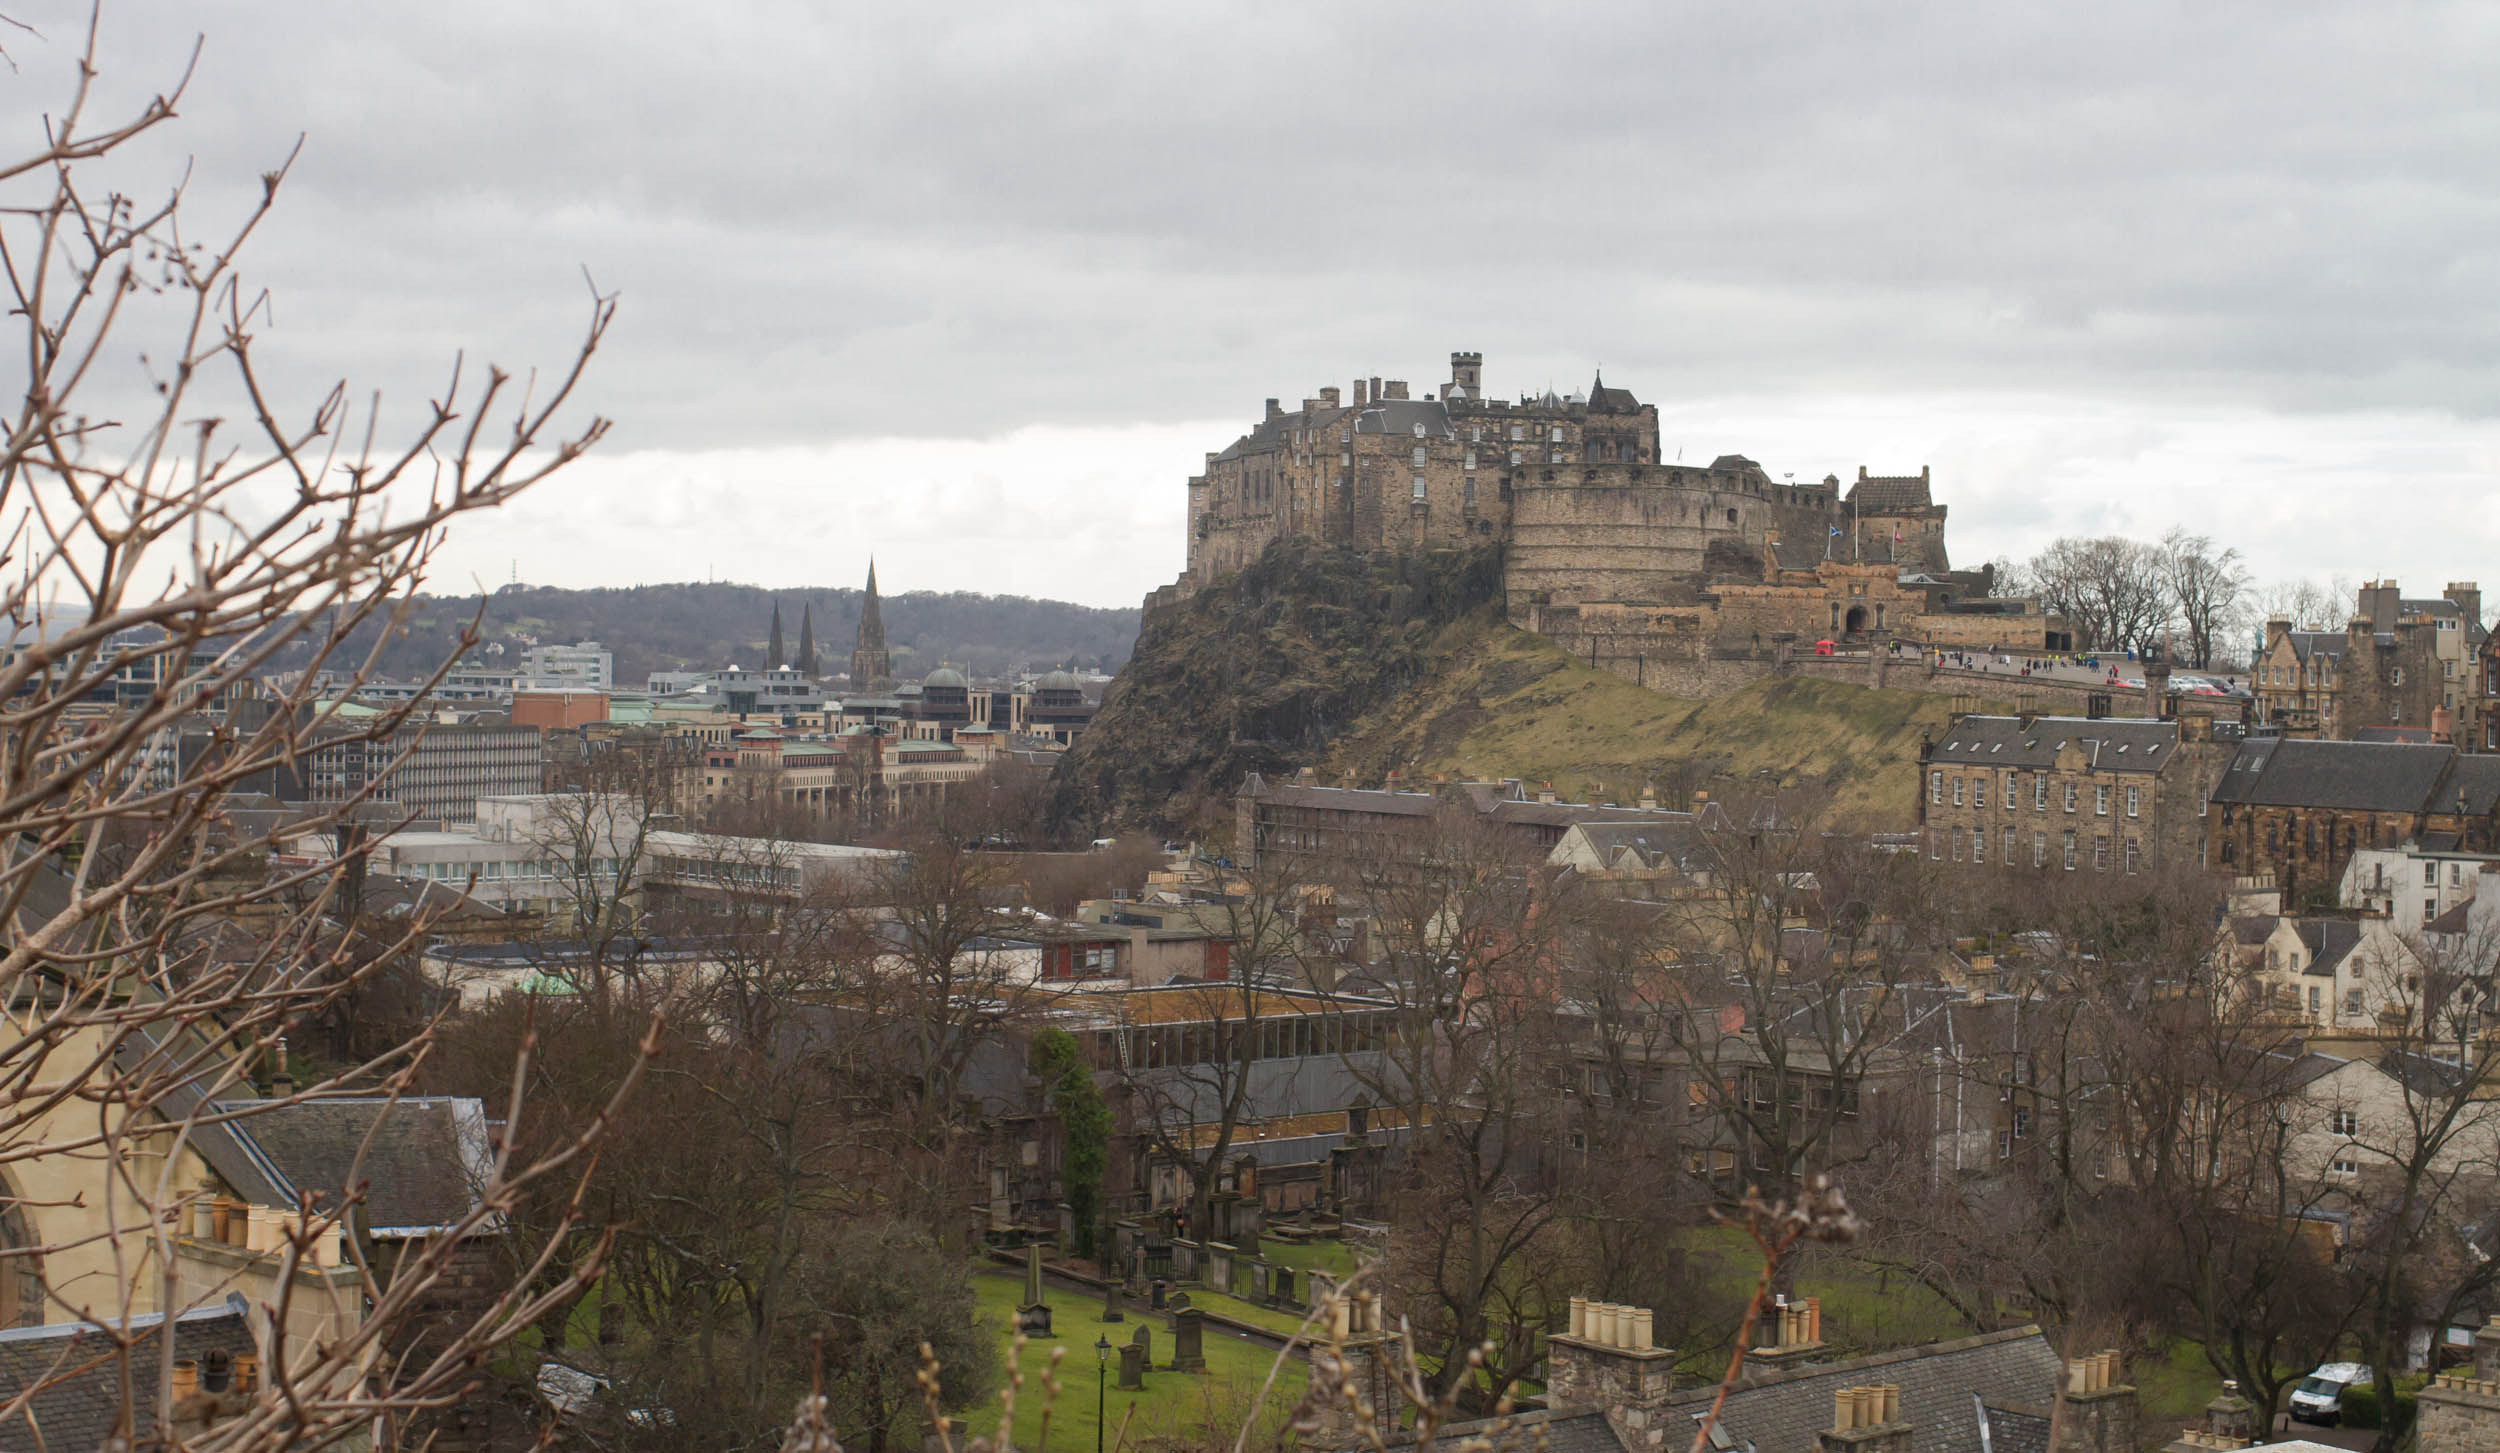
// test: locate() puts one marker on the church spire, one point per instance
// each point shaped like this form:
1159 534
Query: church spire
775 656
871 668
807 639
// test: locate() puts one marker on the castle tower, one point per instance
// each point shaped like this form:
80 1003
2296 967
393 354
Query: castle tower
807 639
871 668
776 655
1466 377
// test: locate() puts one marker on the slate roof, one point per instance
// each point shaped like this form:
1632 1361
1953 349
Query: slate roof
1785 1410
2253 929
1400 416
1653 843
1888 494
2328 940
2360 776
2114 744
2324 643
1559 1430
422 1158
2014 1432
79 1370
2474 776
1604 400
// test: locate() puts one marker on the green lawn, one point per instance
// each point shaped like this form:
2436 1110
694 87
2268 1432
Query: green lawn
1333 1257
1865 1309
1172 1403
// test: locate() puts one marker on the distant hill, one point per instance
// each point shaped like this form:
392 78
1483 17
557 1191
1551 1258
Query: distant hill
679 627
1319 658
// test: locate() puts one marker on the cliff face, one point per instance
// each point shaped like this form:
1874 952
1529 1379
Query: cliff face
1261 673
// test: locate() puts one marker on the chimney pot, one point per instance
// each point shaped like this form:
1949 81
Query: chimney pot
1844 1409
1579 1316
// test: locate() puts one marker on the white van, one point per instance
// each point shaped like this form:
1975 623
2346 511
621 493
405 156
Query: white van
2320 1396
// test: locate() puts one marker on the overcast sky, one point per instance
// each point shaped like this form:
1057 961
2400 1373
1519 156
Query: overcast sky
974 286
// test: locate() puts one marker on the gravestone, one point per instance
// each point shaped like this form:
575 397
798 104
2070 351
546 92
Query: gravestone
1132 1368
1280 1288
1159 1260
1188 1349
1033 1319
1111 1308
1184 1261
1159 1290
1143 1339
1258 1283
1219 1266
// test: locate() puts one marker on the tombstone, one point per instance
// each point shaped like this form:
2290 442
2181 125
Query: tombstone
1111 1309
1132 1368
1320 1285
1280 1288
1158 1289
1159 1260
1219 1266
1184 1261
1258 1283
1033 1319
1188 1350
1178 1303
1143 1339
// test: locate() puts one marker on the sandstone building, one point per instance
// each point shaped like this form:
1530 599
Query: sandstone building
2397 663
1639 563
2069 794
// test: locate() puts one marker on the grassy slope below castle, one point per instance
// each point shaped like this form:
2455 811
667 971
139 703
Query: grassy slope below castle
1504 703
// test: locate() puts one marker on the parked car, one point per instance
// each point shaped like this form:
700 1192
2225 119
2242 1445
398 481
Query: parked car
2320 1396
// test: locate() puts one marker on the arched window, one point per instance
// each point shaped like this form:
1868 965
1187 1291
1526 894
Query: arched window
21 1267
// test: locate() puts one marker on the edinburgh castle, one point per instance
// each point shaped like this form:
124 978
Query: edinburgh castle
1690 578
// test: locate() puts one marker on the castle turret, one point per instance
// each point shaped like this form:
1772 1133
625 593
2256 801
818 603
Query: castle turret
1466 377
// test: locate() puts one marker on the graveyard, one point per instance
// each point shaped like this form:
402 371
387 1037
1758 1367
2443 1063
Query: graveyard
1165 1402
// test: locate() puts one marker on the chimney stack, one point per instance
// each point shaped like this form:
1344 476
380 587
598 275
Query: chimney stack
1788 1334
1359 1342
1362 394
1607 1358
2100 1414
1866 1420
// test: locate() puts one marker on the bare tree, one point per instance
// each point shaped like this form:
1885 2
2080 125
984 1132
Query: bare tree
176 538
2206 586
2109 588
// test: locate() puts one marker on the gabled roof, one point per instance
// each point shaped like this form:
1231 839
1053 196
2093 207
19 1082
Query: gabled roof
2329 941
1890 494
2360 776
420 1160
1604 400
2323 643
80 1370
2472 786
1400 416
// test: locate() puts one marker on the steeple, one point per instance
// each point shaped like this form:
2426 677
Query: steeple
775 655
871 668
807 638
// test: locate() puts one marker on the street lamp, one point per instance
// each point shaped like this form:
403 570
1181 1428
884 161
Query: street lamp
1102 1368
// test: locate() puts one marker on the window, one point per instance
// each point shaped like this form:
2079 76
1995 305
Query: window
2070 797
2039 849
2039 791
2430 875
2022 1122
2352 1002
1471 459
1419 489
2347 1122
2313 998
1935 789
1957 791
2008 785
2456 875
1514 458
2005 1144
2133 854
1979 845
2430 909
2347 1166
1958 835
2070 849
1979 792
2007 857
1516 434
2100 800
2100 852
2134 800
1417 457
